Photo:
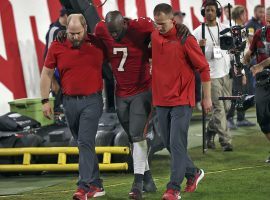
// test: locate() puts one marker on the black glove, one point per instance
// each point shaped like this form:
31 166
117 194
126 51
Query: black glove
61 36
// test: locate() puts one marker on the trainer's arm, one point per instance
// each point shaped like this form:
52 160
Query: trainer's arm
45 85
200 63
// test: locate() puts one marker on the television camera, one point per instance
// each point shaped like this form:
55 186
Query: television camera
235 44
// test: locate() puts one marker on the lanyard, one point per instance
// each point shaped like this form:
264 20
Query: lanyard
212 35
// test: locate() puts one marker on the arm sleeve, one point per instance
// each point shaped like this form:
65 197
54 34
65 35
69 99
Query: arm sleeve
146 25
196 57
99 29
50 60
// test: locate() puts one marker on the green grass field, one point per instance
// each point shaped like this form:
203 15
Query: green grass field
238 175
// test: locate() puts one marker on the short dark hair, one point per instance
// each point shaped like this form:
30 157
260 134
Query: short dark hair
112 15
257 7
163 7
211 3
63 11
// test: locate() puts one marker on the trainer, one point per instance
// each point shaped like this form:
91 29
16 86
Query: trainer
173 83
79 61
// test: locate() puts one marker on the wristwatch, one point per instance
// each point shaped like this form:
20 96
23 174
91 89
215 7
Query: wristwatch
43 101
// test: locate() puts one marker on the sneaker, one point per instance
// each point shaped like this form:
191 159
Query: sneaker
136 191
171 194
149 186
95 192
231 124
80 194
227 147
245 123
268 160
192 183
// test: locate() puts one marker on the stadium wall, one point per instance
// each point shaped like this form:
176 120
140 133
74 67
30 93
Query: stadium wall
24 23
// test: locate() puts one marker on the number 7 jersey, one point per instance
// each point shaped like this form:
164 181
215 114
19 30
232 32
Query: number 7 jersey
129 57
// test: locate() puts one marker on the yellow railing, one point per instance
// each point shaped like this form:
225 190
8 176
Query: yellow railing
62 153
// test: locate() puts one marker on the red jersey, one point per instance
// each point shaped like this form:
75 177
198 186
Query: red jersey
257 43
129 57
173 79
80 69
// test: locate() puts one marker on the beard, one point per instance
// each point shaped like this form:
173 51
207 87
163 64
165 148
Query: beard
76 44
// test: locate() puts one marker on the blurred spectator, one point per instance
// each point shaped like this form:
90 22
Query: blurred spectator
226 12
178 17
256 22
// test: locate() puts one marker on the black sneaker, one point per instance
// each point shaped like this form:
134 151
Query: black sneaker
245 123
136 191
231 125
227 147
149 186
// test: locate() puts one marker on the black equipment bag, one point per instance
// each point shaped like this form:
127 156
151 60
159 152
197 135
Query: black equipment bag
16 122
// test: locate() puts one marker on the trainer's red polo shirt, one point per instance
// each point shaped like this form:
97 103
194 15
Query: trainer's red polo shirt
173 65
80 69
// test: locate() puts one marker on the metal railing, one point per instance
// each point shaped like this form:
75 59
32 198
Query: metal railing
62 164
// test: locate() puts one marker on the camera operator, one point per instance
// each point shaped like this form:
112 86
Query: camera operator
221 84
239 15
261 47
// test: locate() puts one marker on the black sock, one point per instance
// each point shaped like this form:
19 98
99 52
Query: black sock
138 178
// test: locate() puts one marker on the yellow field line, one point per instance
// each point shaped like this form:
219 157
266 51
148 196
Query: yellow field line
119 184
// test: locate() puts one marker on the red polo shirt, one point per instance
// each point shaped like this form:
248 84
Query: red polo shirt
173 79
80 69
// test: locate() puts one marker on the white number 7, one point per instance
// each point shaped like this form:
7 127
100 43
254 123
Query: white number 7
124 57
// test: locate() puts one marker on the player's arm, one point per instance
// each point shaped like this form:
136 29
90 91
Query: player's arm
260 66
247 57
265 63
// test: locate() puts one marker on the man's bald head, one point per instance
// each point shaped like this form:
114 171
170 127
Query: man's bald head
114 17
116 24
76 29
76 20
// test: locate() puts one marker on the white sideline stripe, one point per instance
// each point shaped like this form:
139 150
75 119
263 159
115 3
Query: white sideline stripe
156 179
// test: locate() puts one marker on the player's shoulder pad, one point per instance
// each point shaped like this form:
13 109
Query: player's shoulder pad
101 24
144 19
